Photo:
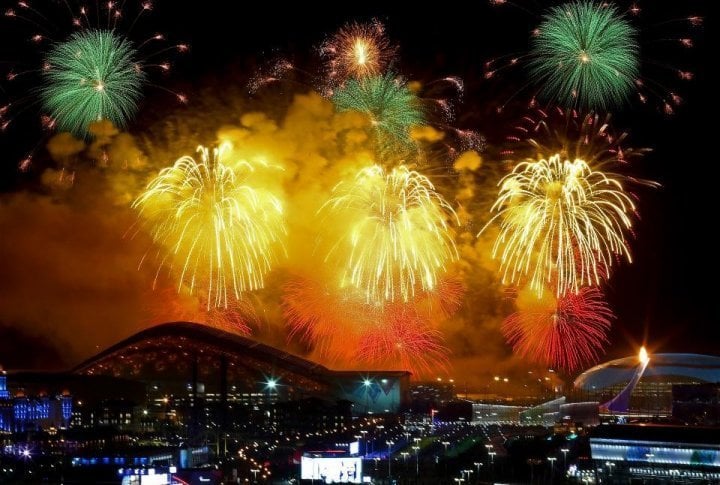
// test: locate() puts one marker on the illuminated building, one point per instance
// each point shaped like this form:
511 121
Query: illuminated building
4 394
696 404
431 394
186 365
651 394
657 453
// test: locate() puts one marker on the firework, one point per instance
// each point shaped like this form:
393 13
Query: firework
341 327
585 54
567 333
217 233
392 108
357 51
93 75
398 236
561 220
405 341
326 319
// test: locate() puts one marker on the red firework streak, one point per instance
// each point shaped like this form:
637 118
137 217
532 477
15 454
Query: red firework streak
568 333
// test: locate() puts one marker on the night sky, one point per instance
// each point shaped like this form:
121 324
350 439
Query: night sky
666 298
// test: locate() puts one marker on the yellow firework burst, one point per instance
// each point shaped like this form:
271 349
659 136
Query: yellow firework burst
397 237
561 221
217 233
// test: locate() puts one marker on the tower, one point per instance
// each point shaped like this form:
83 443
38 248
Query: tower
4 394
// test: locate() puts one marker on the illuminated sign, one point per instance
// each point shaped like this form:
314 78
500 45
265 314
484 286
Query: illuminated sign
331 470
354 448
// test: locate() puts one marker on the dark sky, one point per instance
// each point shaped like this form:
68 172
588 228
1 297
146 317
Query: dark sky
666 297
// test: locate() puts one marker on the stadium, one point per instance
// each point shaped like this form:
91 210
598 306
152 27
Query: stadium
647 391
187 359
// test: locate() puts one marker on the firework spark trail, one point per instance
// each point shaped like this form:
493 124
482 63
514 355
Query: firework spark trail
567 333
561 220
217 233
398 236
586 55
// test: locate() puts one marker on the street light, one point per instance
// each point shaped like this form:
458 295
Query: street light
255 472
417 460
564 452
363 433
445 444
477 469
552 459
367 383
389 443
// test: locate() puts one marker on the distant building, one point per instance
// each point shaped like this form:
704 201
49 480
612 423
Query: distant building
22 412
657 453
455 411
496 413
652 395
429 395
202 367
311 415
696 404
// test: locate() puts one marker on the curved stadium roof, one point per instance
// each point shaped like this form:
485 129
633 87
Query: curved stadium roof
703 368
170 350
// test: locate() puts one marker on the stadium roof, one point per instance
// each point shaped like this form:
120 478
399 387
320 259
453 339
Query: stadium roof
702 368
168 351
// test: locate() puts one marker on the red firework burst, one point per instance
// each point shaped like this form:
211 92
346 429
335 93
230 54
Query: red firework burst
406 341
343 329
567 333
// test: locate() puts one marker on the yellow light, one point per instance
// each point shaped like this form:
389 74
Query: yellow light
643 356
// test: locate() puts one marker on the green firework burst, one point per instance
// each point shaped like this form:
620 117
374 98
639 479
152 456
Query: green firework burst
91 76
389 103
585 55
